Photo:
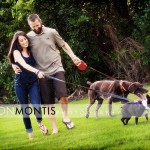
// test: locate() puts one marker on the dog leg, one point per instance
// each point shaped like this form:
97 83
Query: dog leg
127 120
122 119
88 109
136 120
110 108
146 116
100 101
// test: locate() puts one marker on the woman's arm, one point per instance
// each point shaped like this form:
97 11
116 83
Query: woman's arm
18 58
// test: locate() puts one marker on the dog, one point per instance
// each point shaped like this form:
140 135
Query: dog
137 109
118 87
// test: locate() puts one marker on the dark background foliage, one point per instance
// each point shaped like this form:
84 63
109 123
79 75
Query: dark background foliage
112 36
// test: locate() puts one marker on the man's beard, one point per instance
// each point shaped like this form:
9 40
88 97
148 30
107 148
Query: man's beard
38 31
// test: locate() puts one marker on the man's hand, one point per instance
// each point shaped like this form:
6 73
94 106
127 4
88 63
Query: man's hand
76 60
16 69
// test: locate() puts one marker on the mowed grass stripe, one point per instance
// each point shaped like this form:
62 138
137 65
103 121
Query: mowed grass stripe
91 133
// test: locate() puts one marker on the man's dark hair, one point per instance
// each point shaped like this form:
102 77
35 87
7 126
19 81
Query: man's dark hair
33 17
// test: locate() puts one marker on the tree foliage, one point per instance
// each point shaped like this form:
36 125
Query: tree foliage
112 36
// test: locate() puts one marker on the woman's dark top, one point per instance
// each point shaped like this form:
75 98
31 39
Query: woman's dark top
26 77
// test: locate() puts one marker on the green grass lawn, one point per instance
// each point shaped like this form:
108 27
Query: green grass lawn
92 133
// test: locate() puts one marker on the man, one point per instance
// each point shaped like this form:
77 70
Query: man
44 42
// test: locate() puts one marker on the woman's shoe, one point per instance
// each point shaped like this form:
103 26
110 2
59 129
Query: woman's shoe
43 129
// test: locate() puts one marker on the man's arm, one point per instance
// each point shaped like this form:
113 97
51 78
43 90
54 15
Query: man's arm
69 51
16 69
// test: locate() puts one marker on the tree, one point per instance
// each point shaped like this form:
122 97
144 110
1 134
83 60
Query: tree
99 32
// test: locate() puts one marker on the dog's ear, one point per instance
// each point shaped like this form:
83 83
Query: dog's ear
148 100
137 84
148 97
133 86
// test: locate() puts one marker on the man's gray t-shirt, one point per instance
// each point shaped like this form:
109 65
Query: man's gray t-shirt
45 51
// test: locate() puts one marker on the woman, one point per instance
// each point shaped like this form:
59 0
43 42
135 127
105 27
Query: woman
26 82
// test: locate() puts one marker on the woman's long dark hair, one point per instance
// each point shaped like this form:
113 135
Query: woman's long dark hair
16 46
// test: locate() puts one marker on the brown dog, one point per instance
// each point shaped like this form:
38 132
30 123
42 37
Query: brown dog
117 87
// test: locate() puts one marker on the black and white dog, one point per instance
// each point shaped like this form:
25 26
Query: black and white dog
137 109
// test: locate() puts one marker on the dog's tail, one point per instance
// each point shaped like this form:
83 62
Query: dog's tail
88 82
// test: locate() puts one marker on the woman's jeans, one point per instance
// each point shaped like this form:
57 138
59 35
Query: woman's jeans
22 92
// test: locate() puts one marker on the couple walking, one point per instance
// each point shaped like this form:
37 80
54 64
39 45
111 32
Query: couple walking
33 55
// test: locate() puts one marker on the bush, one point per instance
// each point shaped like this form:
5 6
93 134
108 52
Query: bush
142 31
6 82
